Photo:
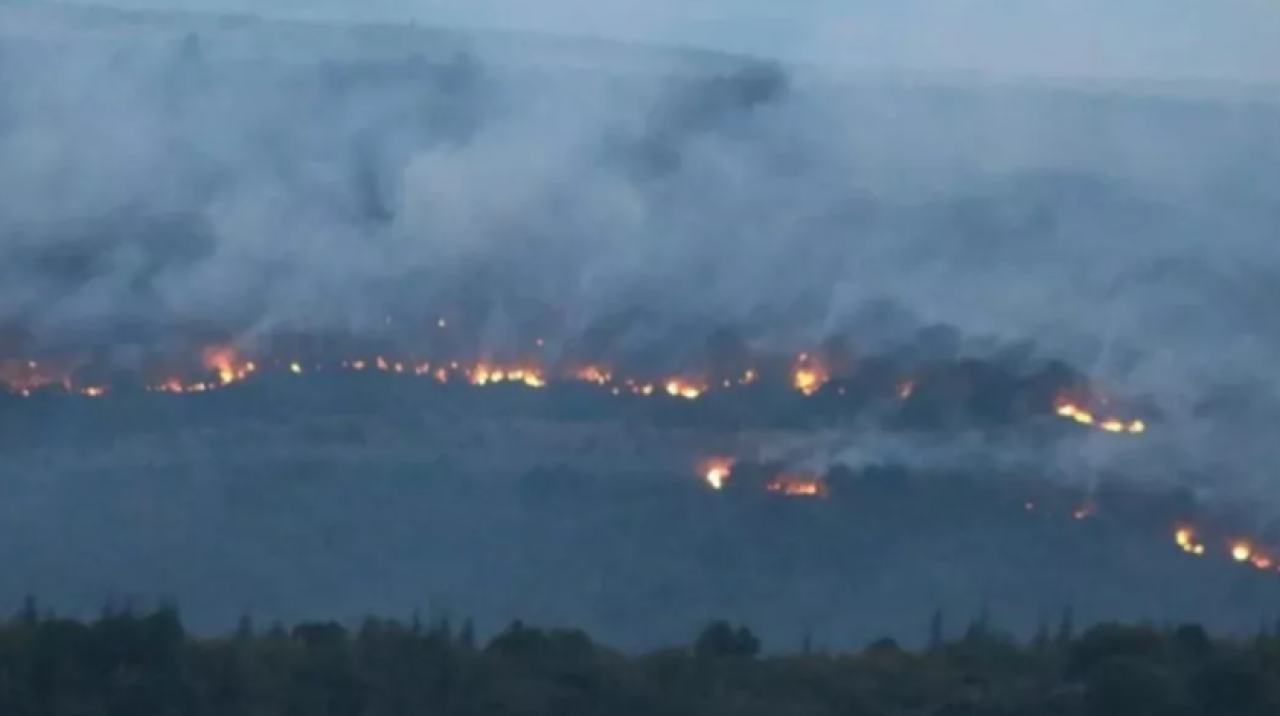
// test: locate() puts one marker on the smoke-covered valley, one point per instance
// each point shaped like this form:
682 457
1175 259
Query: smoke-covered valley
168 181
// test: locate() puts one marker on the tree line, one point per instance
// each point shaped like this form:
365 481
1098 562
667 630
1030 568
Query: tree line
130 662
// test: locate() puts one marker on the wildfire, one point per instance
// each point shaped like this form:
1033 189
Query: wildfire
227 367
1072 411
223 361
809 376
791 485
1241 551
716 472
1186 539
485 375
683 389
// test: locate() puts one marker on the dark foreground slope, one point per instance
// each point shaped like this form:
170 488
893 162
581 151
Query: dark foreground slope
311 508
134 664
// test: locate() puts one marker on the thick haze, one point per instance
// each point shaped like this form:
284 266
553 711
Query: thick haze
268 175
1178 40
301 186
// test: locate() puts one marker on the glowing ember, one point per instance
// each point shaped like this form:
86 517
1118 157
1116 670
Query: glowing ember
682 389
1241 551
594 374
1072 411
808 376
716 472
223 362
1187 542
798 486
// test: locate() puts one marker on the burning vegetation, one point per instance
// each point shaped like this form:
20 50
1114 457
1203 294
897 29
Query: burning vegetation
1212 540
923 389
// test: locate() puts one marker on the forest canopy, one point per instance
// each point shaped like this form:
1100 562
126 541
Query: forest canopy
145 662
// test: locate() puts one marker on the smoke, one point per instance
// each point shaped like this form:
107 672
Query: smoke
160 171
1141 40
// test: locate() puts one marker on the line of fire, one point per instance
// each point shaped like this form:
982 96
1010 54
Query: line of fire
1174 516
832 381
908 387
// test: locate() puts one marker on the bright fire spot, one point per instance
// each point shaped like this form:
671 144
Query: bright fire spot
1071 411
809 375
906 389
223 362
594 374
1084 511
716 472
442 323
798 486
681 389
481 375
295 368
533 379
1241 551
1186 539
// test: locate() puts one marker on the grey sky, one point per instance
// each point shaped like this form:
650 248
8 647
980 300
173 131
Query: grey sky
1236 40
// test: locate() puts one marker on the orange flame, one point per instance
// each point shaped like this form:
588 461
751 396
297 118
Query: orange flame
683 389
809 375
791 485
1072 411
716 472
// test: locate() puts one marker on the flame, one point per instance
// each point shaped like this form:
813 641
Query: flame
809 376
716 472
682 389
1187 541
1072 411
790 485
593 374
226 364
484 374
1241 551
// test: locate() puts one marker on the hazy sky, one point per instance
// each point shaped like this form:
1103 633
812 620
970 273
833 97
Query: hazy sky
1130 39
